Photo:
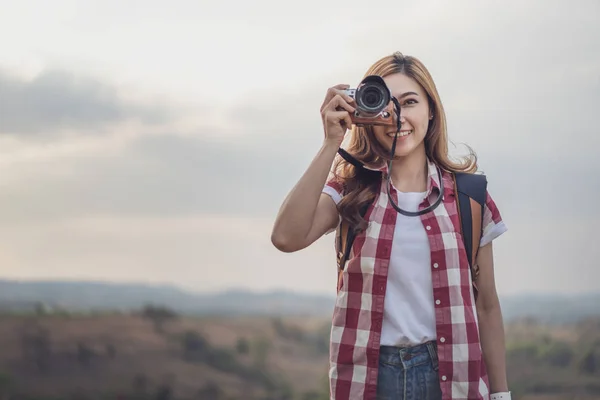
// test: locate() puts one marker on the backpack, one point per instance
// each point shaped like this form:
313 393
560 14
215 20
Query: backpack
471 193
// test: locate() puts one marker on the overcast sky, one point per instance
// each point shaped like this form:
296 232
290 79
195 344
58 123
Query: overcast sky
154 141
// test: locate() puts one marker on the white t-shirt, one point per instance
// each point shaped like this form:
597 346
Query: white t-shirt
408 316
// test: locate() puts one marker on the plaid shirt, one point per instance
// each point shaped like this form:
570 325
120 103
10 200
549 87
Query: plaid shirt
358 313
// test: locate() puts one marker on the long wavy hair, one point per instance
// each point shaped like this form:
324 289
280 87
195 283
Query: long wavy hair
361 185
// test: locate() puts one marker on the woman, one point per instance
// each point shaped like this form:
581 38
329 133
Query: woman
406 324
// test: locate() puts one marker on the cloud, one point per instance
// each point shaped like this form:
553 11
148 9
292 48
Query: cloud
189 196
246 165
56 100
152 175
242 162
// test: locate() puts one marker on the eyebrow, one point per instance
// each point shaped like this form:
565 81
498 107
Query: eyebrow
406 94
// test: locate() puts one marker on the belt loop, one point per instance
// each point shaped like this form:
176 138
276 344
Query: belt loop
431 347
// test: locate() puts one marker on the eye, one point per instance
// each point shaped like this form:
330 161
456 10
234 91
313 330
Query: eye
411 101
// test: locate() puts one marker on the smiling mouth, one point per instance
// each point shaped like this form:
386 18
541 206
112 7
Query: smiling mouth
400 134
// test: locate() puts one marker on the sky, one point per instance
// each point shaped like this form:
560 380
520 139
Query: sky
154 141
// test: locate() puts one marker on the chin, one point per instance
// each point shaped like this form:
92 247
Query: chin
403 152
403 147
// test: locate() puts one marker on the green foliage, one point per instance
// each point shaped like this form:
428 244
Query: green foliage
321 394
195 346
281 391
559 354
321 341
223 360
85 354
6 383
243 346
523 353
291 332
317 341
141 385
158 315
589 364
164 392
36 347
553 353
111 351
153 312
211 391
40 308
547 366
314 395
197 349
260 349
543 363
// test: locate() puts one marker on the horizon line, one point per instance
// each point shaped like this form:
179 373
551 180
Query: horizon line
249 290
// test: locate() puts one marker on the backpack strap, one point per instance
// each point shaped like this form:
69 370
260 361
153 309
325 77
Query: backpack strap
471 193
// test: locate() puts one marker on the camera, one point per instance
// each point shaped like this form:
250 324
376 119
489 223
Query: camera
373 102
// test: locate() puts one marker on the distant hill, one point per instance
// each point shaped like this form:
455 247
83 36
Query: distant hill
86 296
551 308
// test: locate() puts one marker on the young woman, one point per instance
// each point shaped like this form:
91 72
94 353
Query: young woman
406 323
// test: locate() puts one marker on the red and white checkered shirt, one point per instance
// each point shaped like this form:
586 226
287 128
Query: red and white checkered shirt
358 313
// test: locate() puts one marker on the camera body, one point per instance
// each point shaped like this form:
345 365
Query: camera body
373 105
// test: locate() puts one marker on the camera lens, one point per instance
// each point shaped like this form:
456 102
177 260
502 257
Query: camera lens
372 97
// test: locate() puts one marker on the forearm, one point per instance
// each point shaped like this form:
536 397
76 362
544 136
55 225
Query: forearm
491 331
297 212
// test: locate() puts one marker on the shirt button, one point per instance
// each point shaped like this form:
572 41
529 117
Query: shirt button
442 340
444 378
428 227
437 302
435 265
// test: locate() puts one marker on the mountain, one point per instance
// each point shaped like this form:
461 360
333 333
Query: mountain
84 296
98 296
551 308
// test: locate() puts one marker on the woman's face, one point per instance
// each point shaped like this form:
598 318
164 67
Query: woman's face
414 115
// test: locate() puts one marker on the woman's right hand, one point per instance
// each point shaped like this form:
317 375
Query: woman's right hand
307 213
335 113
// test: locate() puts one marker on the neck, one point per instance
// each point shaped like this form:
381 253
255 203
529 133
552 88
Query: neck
409 174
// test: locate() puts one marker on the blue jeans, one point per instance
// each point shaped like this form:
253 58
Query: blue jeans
408 373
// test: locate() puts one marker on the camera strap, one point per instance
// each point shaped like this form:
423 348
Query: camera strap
346 156
413 213
389 175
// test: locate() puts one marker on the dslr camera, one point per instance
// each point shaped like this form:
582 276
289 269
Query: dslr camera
373 103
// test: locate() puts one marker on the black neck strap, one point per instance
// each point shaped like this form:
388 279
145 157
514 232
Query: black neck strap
349 158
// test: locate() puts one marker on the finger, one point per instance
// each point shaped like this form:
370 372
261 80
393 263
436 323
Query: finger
341 118
334 91
339 103
348 121
337 117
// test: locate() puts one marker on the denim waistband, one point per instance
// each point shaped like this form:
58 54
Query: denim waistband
410 356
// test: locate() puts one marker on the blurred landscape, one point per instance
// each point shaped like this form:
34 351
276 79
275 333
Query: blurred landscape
155 141
93 340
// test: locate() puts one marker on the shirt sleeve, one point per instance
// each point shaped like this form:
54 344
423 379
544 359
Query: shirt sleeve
335 190
493 225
